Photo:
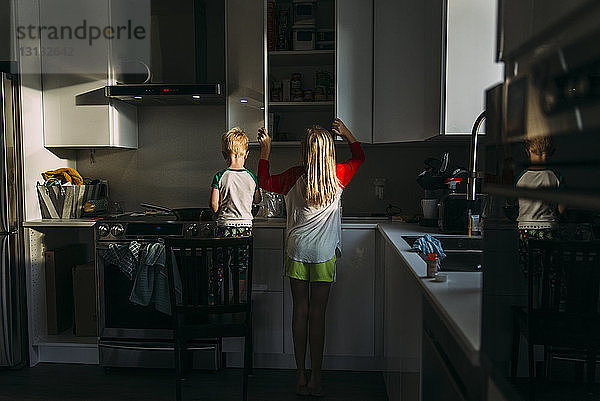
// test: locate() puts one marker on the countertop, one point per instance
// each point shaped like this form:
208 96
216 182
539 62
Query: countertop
258 222
60 223
458 300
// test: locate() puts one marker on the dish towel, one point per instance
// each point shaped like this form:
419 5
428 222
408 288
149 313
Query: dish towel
151 285
64 175
124 256
429 244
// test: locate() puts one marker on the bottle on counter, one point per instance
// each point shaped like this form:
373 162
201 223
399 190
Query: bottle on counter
432 264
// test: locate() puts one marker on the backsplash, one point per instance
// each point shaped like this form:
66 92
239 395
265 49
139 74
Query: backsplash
180 151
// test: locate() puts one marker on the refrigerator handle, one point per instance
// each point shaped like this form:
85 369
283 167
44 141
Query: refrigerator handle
4 206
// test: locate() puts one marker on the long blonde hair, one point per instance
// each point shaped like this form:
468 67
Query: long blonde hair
318 157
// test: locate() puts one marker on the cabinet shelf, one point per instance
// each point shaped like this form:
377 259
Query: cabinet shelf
301 106
297 58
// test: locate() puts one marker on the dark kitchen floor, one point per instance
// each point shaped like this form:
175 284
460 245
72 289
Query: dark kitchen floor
51 382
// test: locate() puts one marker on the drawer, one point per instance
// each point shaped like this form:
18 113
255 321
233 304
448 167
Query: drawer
268 238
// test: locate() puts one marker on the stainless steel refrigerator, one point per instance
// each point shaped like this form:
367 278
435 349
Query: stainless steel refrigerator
13 319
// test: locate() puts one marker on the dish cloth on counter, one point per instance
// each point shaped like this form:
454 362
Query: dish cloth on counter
124 256
429 244
151 284
64 175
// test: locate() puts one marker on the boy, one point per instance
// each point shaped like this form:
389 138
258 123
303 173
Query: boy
234 189
537 219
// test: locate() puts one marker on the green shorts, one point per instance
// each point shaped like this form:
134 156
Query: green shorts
324 271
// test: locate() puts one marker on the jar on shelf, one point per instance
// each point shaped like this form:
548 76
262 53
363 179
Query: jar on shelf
308 95
296 81
297 95
276 93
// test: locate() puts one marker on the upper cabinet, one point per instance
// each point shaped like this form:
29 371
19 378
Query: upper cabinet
246 72
433 60
354 66
301 74
315 57
470 62
74 62
407 70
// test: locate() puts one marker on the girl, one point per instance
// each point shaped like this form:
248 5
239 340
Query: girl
312 197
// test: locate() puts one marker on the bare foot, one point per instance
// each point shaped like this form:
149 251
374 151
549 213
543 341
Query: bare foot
301 388
314 387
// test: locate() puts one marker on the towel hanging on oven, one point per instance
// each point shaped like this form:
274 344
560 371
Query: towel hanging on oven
151 284
124 256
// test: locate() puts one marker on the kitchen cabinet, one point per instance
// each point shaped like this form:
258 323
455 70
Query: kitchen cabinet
438 379
254 97
354 66
402 315
351 309
407 70
402 326
433 61
267 297
350 330
246 69
268 322
79 123
470 62
69 125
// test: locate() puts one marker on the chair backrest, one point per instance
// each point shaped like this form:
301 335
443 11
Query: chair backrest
564 276
210 271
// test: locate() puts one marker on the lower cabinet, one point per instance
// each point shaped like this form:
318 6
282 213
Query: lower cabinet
402 316
267 298
447 371
353 312
268 322
438 382
350 321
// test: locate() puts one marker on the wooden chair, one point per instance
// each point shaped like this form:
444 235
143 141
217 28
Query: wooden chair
563 302
210 303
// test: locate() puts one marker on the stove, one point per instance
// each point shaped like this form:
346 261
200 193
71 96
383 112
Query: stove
141 226
131 335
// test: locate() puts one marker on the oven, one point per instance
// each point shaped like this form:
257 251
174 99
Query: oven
132 335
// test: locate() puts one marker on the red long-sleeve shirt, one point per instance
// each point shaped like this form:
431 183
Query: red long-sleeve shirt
282 183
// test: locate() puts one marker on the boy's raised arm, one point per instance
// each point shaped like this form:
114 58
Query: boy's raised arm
279 183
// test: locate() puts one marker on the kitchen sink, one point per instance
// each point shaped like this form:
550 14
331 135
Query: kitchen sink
463 253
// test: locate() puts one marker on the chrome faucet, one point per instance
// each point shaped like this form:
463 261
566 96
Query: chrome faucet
472 178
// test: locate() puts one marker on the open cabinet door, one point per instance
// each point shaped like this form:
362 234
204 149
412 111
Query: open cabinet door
246 70
354 66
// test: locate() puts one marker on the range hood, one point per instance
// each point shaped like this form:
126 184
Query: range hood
155 94
185 64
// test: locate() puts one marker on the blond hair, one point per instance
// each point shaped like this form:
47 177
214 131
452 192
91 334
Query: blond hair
234 143
540 145
318 157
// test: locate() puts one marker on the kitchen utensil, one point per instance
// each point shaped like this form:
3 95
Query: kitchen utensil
185 214
430 208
